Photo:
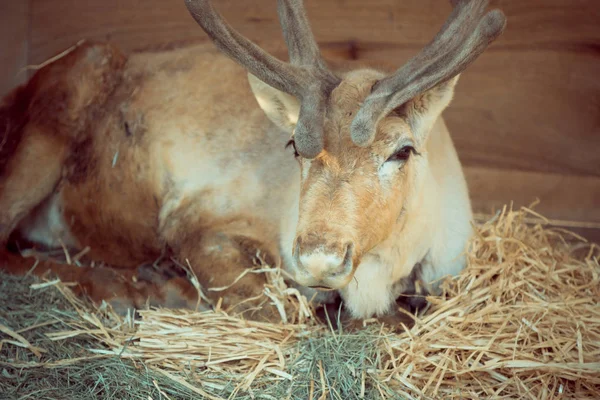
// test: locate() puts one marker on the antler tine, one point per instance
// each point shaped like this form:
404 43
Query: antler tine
301 43
304 52
280 75
305 77
464 36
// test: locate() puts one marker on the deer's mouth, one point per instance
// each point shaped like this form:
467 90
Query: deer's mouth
322 288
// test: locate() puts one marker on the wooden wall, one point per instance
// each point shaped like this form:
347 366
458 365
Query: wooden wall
526 116
14 43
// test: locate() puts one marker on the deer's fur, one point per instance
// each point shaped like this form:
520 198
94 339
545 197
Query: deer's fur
182 152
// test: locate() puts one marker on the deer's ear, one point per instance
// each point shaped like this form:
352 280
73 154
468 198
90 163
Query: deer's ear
423 110
281 108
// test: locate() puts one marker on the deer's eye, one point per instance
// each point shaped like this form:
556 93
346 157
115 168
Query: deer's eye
402 155
293 145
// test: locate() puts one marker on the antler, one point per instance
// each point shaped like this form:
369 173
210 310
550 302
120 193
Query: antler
463 37
306 76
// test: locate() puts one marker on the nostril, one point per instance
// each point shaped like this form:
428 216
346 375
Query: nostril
296 253
346 266
349 250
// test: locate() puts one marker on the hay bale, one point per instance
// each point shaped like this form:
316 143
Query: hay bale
64 369
521 321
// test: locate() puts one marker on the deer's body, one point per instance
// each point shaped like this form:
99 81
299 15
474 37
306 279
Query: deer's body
163 150
171 152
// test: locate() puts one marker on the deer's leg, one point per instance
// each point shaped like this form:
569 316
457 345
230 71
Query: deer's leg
122 288
222 264
40 120
411 291
30 175
114 286
222 260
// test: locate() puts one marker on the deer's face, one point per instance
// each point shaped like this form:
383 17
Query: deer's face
351 197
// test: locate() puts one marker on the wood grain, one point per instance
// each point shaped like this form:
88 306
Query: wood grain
133 24
561 196
535 110
567 199
14 37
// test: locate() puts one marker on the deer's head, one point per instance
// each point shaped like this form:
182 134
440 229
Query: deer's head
358 136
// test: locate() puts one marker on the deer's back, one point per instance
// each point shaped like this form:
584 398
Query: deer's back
180 138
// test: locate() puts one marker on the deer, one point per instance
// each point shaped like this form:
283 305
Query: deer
344 175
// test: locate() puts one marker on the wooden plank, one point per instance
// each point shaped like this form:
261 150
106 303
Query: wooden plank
14 37
590 234
572 202
562 196
132 24
530 110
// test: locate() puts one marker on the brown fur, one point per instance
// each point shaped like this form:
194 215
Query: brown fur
63 130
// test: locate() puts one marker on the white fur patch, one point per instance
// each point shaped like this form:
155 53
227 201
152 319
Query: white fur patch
47 226
191 172
369 293
319 264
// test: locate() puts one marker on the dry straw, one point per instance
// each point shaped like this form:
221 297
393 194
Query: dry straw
522 321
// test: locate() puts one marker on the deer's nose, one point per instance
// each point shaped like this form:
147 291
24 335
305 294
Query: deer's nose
323 264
